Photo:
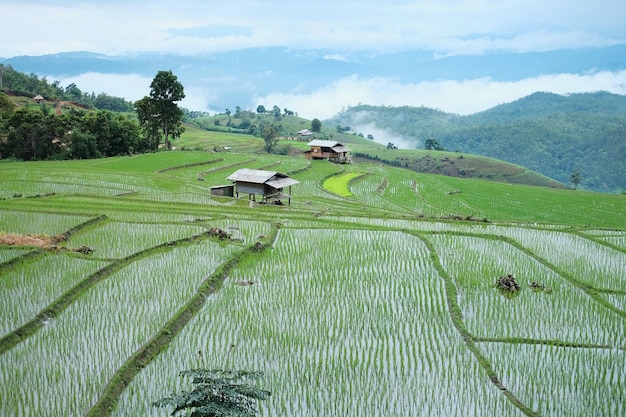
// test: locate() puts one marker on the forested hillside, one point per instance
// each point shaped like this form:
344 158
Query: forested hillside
20 84
552 134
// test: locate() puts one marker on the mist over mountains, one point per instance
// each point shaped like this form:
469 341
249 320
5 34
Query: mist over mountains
482 104
548 133
319 83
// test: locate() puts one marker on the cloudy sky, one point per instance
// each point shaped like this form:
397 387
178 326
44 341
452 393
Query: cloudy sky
447 27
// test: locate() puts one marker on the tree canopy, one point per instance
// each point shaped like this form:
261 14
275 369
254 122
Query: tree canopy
158 113
33 134
316 125
270 136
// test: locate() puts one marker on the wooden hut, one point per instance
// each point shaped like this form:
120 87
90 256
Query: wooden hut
269 185
328 149
38 98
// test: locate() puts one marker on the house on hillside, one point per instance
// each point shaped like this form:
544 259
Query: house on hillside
328 149
305 134
38 98
269 185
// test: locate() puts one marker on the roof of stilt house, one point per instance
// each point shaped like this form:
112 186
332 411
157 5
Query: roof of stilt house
332 144
272 178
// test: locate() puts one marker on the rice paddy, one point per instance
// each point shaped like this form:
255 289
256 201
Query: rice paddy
380 304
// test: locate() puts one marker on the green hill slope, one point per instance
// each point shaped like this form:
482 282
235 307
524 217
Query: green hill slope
551 134
226 132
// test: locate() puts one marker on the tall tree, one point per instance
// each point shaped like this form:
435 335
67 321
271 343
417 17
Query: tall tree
159 112
316 125
270 136
576 178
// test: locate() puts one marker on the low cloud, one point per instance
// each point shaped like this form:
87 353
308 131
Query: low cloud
459 97
131 87
385 137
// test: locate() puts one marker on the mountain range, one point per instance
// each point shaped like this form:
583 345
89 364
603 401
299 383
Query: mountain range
244 77
554 134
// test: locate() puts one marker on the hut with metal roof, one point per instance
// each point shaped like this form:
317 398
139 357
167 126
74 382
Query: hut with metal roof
328 149
269 185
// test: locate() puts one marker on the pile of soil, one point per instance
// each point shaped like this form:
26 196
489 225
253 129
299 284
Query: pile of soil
508 283
540 287
219 233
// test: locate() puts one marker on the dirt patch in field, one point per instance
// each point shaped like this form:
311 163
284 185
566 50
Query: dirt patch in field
39 241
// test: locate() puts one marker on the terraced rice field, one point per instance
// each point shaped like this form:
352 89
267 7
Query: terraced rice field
377 303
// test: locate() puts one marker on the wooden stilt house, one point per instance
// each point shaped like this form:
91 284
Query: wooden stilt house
328 149
270 185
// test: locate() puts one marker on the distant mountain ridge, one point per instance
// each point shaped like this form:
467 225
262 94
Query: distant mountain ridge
406 66
234 77
549 133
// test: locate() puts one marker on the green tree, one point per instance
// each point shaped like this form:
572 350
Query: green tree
576 178
270 136
82 145
260 109
433 145
159 114
5 103
217 393
151 131
73 92
30 135
316 125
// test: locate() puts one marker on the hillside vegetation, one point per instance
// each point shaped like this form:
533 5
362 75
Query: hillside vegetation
548 133
71 124
243 128
381 277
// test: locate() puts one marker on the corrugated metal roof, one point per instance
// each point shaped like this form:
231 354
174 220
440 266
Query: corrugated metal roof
282 182
255 176
326 143
340 148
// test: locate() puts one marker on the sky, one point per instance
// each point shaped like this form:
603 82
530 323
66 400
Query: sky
447 27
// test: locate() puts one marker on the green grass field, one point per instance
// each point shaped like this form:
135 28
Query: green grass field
377 304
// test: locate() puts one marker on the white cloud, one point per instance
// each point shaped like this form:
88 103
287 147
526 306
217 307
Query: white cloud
460 97
195 27
131 87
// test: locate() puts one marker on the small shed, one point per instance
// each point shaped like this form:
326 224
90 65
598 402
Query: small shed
328 149
223 190
269 185
38 98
